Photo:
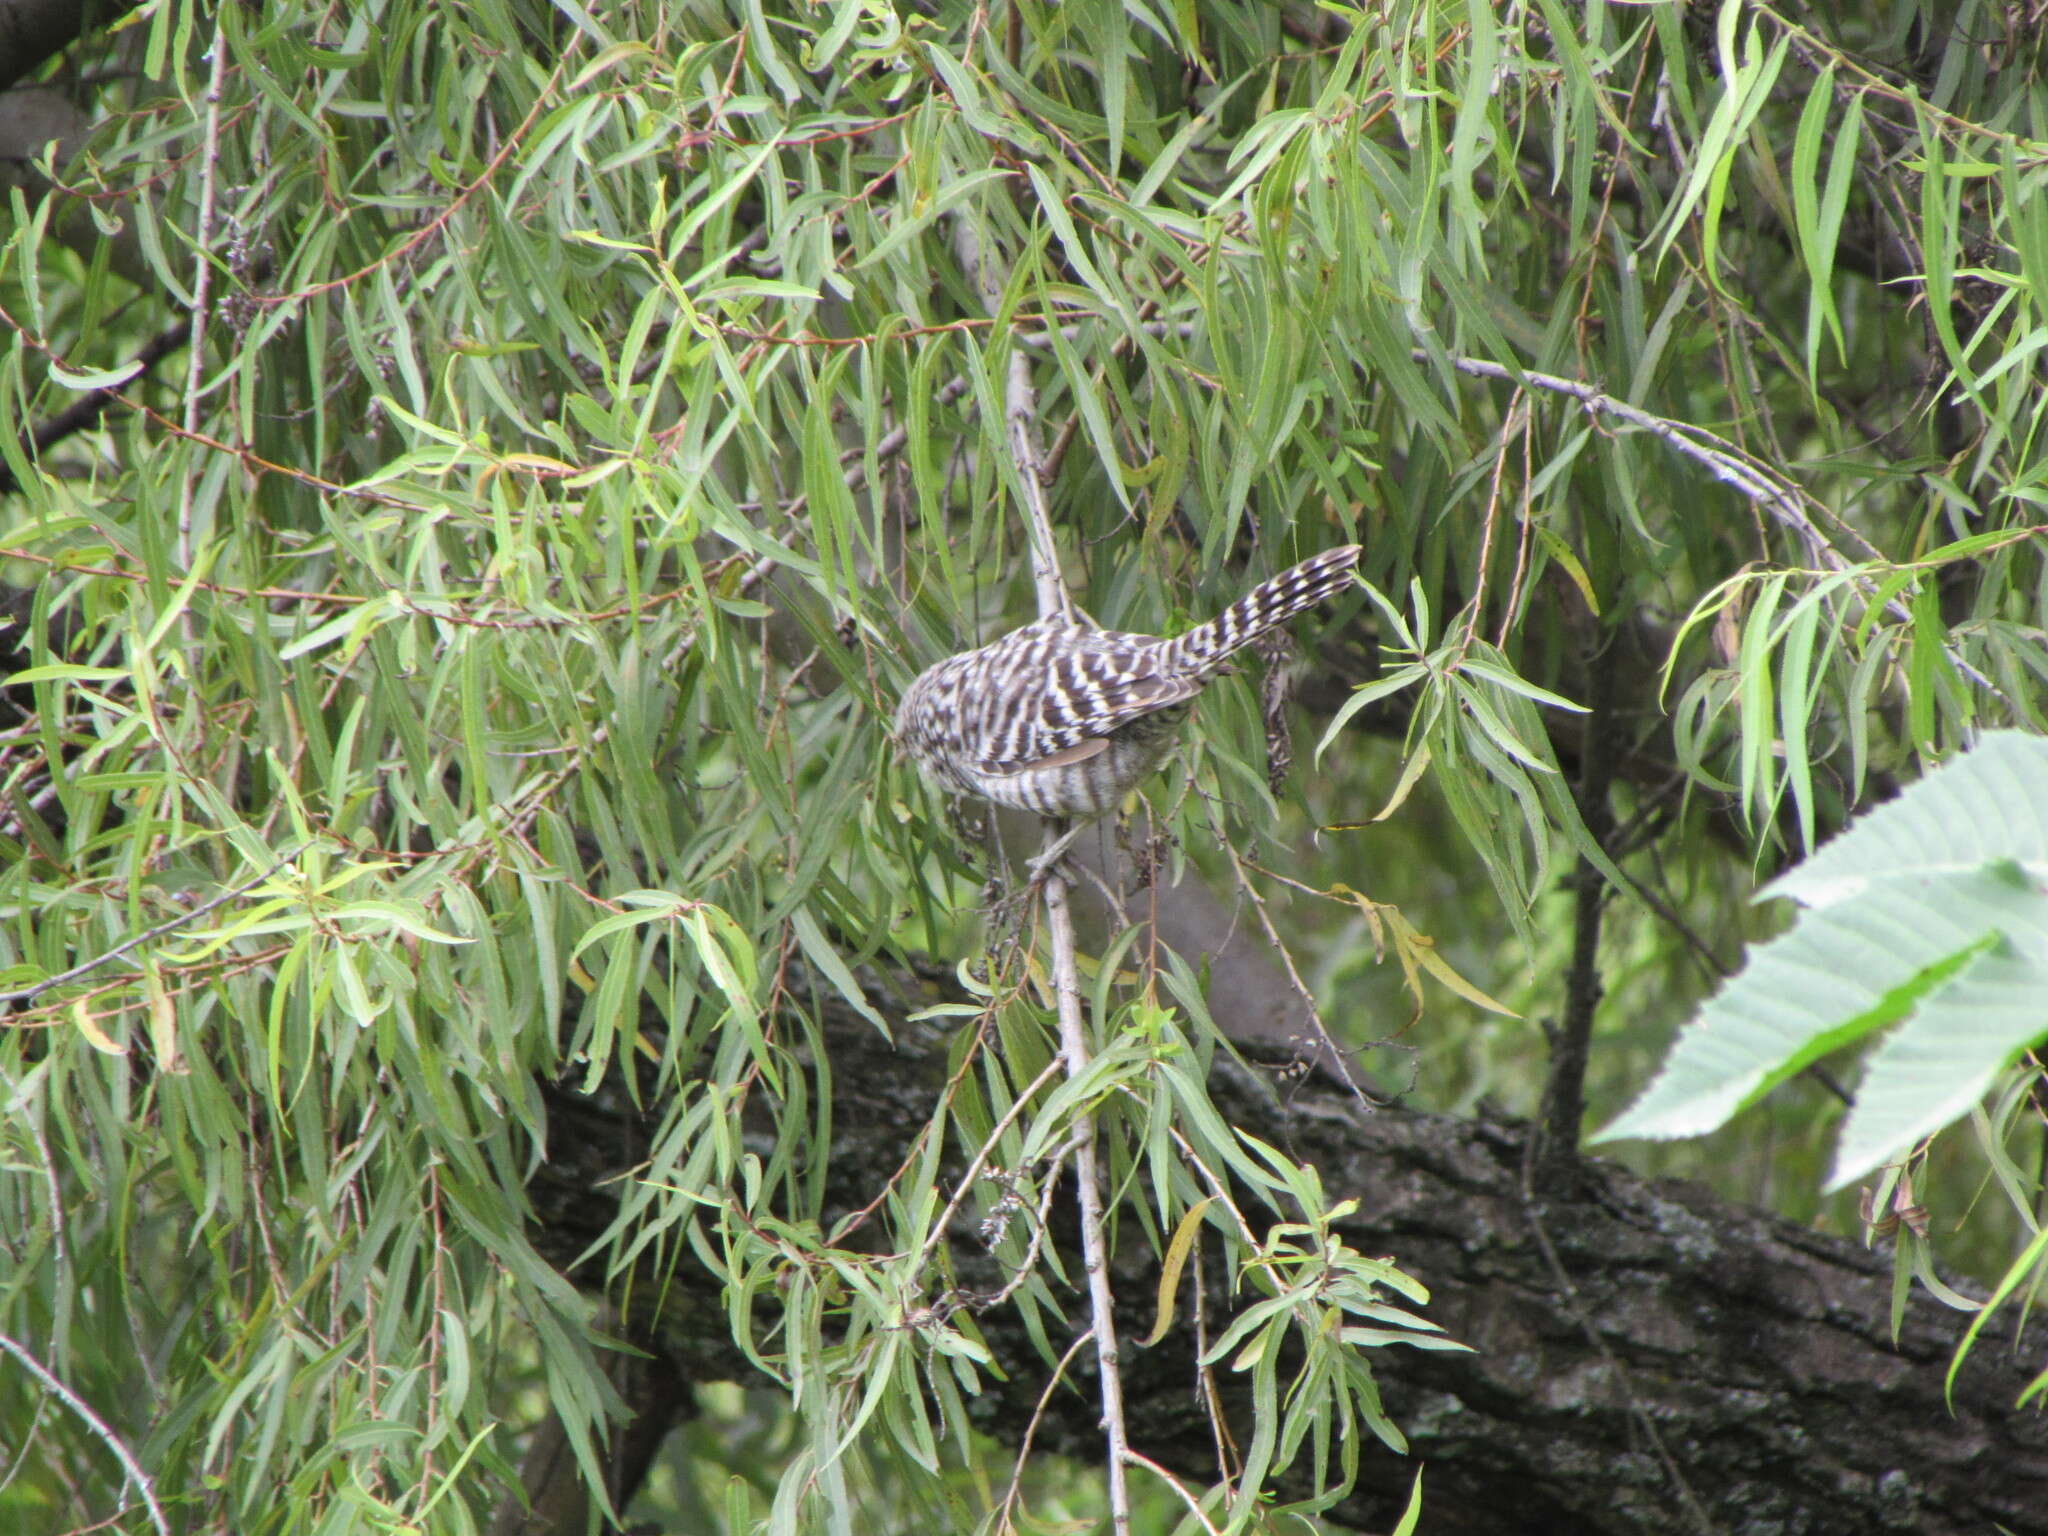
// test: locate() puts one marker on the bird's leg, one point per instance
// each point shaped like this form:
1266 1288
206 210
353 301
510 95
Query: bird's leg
1007 909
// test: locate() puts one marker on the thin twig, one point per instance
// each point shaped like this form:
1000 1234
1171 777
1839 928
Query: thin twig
130 1467
1229 1459
1194 1505
1041 1223
973 1173
26 1438
1059 1372
543 99
1516 418
1725 461
29 994
1332 1052
1785 501
202 290
1512 607
1218 1189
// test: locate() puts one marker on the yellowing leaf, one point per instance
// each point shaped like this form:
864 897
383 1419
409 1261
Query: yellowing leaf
163 1023
89 1027
1176 1258
1422 950
1410 776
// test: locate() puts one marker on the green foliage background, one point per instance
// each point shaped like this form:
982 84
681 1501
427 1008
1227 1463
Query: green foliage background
597 417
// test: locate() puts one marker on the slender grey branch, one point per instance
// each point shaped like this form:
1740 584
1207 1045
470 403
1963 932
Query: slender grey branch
202 293
1781 497
1021 430
1725 461
1021 416
1088 1189
129 1465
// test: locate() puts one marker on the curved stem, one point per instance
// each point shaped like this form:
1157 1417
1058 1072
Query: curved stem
1087 1178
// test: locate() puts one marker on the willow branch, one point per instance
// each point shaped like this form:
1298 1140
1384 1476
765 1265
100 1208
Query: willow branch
202 292
1783 499
1021 431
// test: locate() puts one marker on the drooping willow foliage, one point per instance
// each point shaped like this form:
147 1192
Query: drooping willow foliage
517 454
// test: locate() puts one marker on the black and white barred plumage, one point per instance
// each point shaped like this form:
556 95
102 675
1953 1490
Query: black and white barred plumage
1065 718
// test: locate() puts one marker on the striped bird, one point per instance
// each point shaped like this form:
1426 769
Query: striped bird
1066 718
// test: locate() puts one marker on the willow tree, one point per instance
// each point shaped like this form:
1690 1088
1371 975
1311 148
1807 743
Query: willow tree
480 974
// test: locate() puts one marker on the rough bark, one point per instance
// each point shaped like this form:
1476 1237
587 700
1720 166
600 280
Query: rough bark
1702 1366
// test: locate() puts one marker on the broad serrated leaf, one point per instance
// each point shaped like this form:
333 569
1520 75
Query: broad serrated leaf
1840 974
1932 910
1966 1030
1985 804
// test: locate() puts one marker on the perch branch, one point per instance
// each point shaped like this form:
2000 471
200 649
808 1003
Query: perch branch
1021 429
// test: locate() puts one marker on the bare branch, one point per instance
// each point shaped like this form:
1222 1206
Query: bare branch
130 1467
1021 429
1786 501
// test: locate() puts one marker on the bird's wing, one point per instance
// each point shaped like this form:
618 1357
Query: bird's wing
1093 684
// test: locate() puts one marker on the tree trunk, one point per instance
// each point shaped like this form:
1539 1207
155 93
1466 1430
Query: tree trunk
1647 1357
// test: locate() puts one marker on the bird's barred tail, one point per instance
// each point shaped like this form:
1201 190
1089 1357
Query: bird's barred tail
1267 605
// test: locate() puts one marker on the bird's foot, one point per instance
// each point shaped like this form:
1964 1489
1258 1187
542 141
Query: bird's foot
1054 861
1006 907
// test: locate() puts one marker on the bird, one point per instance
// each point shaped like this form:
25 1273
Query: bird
1066 718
